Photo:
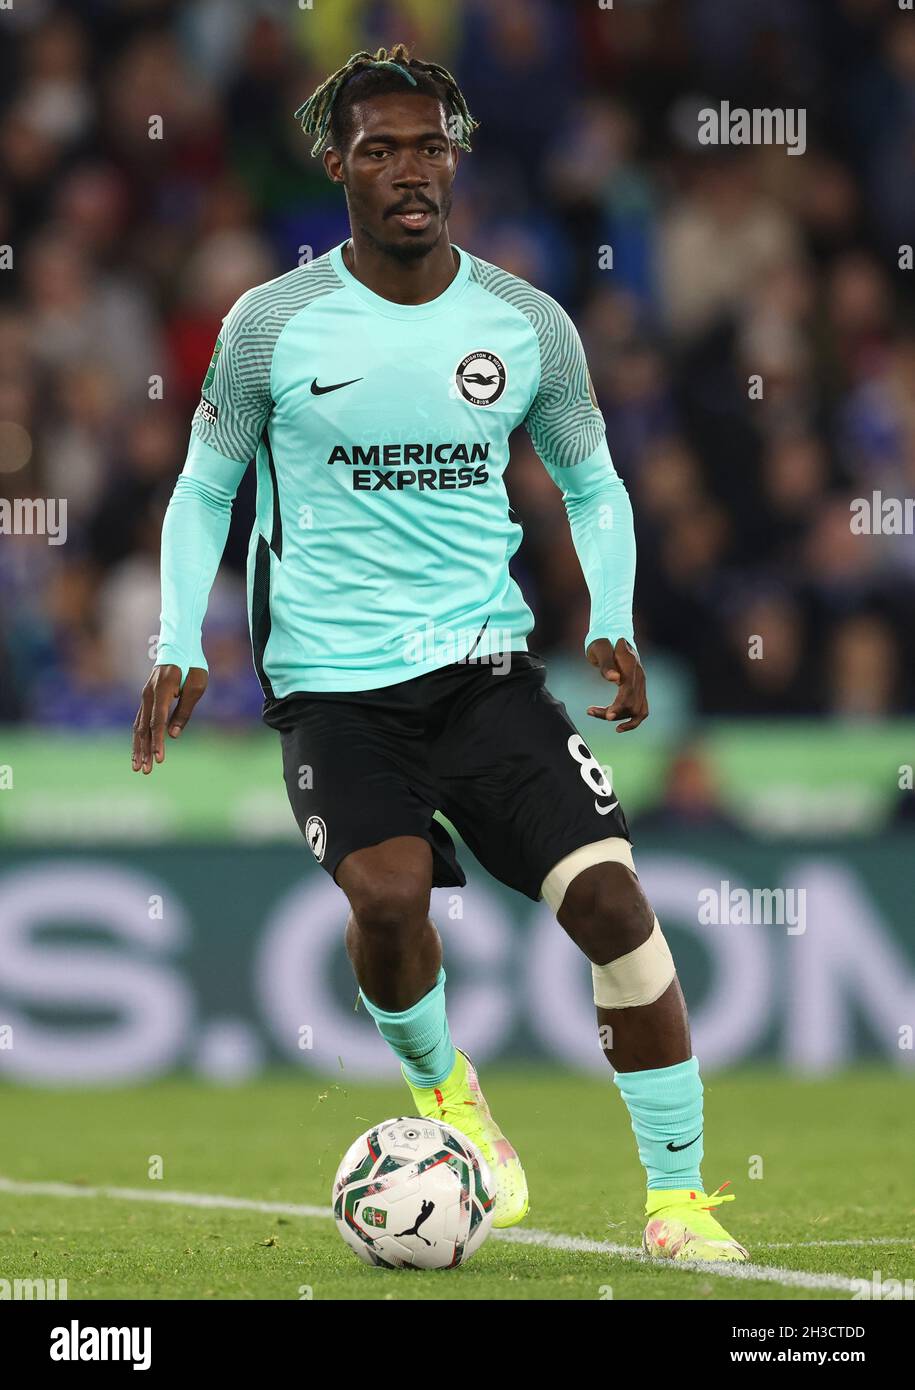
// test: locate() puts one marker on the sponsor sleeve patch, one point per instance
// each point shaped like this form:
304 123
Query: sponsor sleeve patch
207 411
211 369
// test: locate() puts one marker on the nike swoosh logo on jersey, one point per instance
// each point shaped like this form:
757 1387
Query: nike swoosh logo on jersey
675 1148
317 390
605 810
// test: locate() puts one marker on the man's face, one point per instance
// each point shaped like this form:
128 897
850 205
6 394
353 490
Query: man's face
397 173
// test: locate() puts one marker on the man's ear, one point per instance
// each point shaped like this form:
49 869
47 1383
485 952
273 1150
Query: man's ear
333 165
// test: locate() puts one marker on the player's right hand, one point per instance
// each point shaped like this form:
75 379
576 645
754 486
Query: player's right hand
159 693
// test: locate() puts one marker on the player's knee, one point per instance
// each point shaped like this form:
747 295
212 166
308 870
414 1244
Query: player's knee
605 912
389 885
391 903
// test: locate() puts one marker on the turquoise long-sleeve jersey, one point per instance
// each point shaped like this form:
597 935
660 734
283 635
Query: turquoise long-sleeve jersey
379 432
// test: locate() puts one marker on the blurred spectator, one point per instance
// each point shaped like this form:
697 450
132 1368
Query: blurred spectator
719 243
863 671
690 799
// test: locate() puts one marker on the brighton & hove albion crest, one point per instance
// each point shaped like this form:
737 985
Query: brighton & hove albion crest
480 377
316 835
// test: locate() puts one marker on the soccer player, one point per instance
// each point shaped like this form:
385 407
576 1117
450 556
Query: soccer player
376 388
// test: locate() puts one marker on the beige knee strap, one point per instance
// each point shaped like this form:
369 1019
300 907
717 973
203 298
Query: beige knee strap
615 850
640 977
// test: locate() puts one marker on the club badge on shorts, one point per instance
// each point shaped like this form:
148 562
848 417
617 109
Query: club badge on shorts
316 836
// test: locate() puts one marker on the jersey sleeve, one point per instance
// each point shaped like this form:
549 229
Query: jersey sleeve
563 420
235 398
194 535
568 432
225 431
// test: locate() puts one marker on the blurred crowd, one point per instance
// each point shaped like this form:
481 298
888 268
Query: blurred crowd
691 271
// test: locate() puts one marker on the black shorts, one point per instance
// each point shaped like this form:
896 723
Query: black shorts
491 749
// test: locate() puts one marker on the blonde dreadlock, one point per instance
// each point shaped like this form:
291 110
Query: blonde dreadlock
316 114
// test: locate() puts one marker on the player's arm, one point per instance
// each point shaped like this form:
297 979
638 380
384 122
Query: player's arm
224 435
568 432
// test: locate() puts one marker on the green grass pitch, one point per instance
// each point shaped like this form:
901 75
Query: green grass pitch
836 1159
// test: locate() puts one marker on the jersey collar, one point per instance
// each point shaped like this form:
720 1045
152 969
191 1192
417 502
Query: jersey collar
387 307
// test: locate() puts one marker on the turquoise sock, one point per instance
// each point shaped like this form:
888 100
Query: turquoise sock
665 1105
419 1036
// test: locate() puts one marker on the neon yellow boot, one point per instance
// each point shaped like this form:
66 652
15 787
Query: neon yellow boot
459 1102
681 1227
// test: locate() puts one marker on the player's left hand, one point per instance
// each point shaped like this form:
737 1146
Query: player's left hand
620 664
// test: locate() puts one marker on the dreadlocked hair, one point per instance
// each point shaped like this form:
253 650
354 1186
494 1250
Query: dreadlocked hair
366 75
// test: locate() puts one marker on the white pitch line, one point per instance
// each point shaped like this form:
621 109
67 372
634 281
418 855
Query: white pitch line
140 1194
822 1244
770 1274
767 1274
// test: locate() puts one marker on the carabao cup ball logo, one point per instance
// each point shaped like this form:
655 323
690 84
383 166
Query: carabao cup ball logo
480 378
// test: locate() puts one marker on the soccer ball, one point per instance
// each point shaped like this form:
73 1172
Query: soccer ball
413 1193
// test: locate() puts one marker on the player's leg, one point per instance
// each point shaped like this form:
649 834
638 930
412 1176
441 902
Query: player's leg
358 792
537 810
396 954
607 915
356 778
644 1032
392 943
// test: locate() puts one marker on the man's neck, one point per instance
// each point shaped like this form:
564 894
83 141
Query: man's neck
403 282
